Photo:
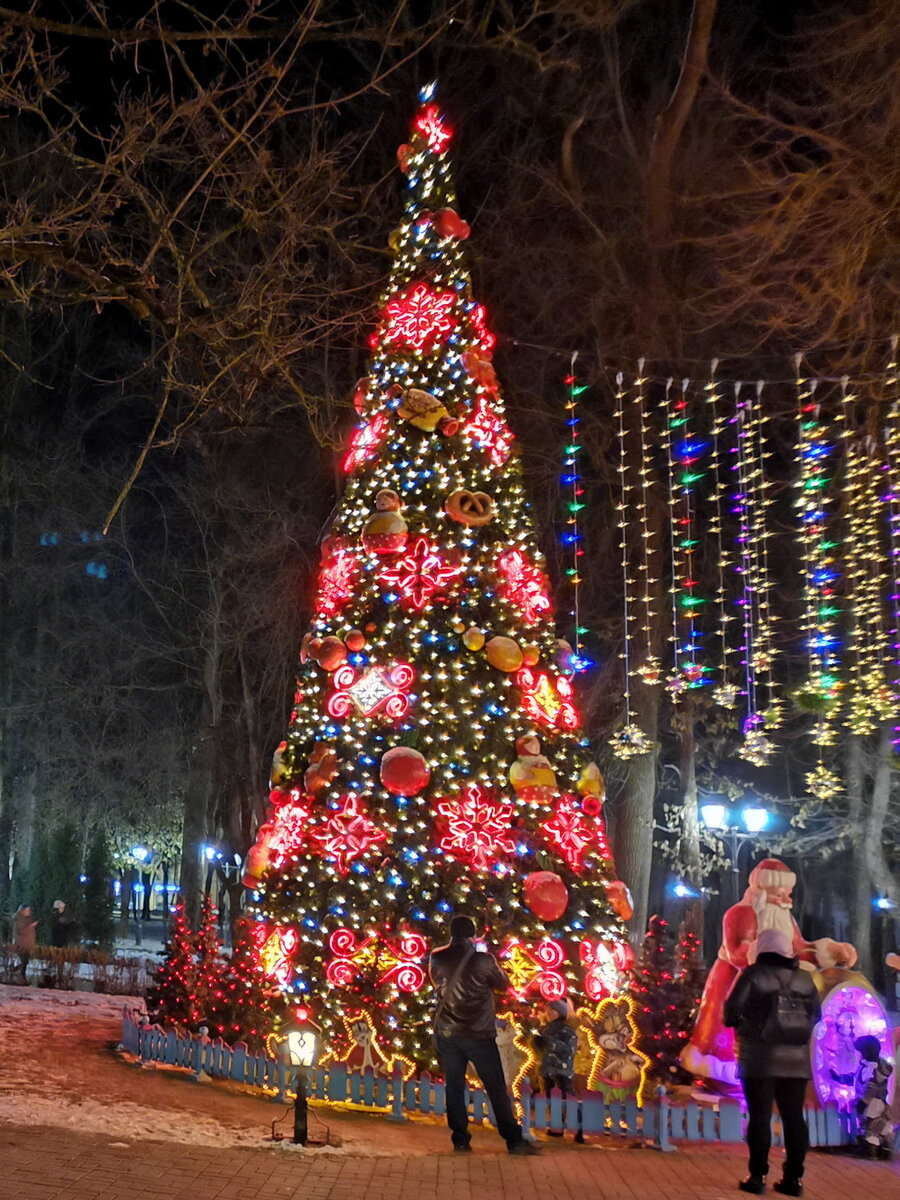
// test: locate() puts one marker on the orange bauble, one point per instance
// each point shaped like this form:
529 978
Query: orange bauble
545 894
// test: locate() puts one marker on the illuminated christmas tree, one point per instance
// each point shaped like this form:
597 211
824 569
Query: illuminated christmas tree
434 761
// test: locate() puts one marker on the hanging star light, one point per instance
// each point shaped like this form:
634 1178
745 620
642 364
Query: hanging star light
419 318
420 574
347 834
478 827
524 585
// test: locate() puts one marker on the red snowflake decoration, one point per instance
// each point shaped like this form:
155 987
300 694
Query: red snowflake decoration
371 690
365 442
478 827
570 831
419 574
478 316
285 833
524 585
419 318
275 948
546 700
490 432
337 580
433 129
348 833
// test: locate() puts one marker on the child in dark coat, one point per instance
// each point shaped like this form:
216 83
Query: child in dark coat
556 1040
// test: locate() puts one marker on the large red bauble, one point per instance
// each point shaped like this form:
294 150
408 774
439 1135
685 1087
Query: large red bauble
545 894
404 772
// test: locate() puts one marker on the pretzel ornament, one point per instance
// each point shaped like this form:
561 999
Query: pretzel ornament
470 508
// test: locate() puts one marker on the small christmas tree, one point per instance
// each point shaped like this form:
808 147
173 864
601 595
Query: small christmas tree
691 975
244 1006
208 966
658 1000
170 999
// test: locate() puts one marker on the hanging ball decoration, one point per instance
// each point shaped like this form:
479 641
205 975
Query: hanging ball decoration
473 638
450 224
531 655
470 508
590 782
458 625
255 864
447 426
331 653
591 806
281 765
620 899
394 239
304 647
403 771
404 154
504 654
545 895
354 640
385 533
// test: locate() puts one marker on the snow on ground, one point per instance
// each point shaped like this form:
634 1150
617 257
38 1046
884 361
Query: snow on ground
59 1068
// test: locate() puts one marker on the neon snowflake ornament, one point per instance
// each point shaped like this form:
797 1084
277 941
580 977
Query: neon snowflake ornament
432 128
524 585
420 574
479 827
419 318
347 834
337 581
366 441
490 432
570 832
285 834
373 690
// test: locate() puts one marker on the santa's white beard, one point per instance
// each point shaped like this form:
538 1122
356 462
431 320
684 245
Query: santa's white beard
773 916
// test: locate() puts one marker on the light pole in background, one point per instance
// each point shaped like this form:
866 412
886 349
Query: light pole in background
735 825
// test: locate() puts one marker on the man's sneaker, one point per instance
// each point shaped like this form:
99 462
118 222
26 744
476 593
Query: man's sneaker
754 1184
522 1149
789 1187
465 1148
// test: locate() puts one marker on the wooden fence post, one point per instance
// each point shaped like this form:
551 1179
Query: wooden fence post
662 1127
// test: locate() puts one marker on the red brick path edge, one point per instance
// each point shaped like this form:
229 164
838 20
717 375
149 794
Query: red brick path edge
54 1164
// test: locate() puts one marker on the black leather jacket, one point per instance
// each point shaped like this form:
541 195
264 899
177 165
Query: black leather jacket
747 1008
468 1009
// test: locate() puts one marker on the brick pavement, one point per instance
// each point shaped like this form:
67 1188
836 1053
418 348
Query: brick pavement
54 1164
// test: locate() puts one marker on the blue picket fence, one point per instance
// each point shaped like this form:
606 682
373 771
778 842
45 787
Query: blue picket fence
658 1121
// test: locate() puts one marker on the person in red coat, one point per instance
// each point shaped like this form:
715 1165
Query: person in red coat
766 904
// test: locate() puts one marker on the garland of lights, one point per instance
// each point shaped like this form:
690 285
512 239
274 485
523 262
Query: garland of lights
630 740
870 699
820 574
892 508
726 692
749 504
684 453
650 670
571 478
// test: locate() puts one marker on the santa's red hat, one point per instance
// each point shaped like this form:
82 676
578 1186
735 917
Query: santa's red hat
770 873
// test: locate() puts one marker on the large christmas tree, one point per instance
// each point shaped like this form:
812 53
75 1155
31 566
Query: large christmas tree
434 762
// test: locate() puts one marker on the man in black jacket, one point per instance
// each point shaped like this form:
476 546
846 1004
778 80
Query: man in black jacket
465 1028
773 1066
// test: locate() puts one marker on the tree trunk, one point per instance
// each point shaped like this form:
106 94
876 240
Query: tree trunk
197 798
860 891
634 829
690 818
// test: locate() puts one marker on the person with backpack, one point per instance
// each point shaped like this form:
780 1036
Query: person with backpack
773 1008
465 1031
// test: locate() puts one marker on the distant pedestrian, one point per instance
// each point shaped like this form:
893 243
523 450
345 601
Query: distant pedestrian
24 937
61 925
466 1032
773 1007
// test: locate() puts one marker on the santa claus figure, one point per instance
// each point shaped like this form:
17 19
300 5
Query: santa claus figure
766 905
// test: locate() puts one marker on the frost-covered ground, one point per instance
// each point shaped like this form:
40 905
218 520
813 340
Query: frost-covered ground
59 1068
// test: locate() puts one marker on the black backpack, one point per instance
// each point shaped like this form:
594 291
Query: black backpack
789 1022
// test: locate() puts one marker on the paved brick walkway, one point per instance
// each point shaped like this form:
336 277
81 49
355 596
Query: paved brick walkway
51 1164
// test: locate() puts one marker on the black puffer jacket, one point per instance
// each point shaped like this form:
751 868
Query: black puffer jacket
747 1008
468 1007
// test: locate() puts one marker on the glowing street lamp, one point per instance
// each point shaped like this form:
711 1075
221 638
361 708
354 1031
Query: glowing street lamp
300 1050
734 825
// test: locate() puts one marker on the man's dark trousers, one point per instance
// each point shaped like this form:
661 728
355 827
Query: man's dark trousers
789 1095
455 1054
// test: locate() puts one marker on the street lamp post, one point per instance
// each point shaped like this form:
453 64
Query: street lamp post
301 1049
735 826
